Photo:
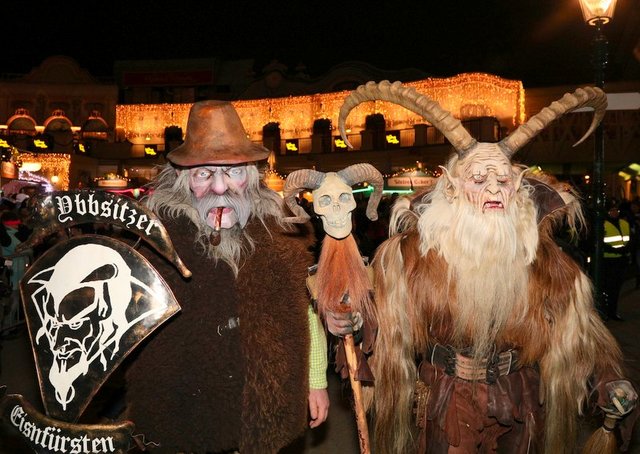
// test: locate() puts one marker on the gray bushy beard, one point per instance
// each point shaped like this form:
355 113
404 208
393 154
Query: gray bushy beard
172 197
488 255
231 247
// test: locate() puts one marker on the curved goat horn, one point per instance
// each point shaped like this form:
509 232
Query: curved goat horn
582 97
358 173
296 181
410 99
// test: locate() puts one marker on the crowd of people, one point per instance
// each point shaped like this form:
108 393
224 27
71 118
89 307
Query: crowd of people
14 229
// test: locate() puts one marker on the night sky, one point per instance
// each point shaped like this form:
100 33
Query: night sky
542 42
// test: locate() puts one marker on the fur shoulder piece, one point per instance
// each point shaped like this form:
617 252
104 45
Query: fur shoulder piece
403 215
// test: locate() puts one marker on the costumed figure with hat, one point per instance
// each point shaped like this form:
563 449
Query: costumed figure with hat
232 370
488 339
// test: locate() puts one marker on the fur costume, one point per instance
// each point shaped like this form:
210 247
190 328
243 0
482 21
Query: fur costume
563 347
472 288
200 385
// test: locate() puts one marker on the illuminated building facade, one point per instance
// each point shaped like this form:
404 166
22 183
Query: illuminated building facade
124 128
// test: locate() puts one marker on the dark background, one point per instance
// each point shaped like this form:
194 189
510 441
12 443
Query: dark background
541 42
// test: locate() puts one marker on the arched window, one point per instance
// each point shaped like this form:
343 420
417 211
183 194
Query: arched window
172 137
271 136
373 134
321 137
374 122
322 126
95 127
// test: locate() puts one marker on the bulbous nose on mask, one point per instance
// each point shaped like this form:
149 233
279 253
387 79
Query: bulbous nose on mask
218 184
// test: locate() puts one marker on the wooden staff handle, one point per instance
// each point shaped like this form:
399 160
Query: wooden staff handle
356 387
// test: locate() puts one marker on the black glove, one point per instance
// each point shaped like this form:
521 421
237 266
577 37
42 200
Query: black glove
342 323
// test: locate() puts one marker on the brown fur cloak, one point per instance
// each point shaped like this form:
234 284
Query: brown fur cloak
560 334
195 390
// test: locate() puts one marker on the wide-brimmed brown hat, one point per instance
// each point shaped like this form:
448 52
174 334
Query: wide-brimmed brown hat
215 136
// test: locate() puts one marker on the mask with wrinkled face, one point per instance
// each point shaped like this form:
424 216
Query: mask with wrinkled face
221 187
487 181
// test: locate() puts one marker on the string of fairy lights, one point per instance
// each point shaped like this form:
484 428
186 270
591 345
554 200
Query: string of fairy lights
466 96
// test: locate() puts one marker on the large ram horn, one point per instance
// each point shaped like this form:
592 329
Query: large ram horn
359 173
295 182
410 99
582 97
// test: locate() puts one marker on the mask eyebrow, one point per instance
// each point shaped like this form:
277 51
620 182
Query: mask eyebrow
224 169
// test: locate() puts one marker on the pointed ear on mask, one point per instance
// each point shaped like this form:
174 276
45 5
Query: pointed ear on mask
451 189
518 180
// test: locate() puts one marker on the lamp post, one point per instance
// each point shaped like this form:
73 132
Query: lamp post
597 13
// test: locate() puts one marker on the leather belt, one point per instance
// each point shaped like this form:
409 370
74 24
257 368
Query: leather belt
487 369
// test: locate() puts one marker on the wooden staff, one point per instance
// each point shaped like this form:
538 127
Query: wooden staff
340 271
353 286
356 387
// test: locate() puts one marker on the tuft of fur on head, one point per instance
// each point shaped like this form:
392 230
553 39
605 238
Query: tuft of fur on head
341 271
171 196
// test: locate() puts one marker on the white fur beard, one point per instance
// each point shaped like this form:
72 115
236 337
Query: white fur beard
488 255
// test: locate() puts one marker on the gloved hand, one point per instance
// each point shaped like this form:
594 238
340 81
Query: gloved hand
622 397
342 323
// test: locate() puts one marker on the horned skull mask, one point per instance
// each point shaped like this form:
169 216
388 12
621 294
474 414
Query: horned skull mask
333 201
333 196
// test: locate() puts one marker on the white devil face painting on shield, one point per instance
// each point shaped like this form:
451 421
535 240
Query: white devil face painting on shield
87 310
83 312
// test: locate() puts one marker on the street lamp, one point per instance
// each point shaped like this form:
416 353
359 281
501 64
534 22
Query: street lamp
597 13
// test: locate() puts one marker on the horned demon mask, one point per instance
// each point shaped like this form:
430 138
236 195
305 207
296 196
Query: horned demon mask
483 172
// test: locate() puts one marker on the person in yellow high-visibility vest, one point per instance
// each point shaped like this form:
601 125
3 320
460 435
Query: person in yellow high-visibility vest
616 258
